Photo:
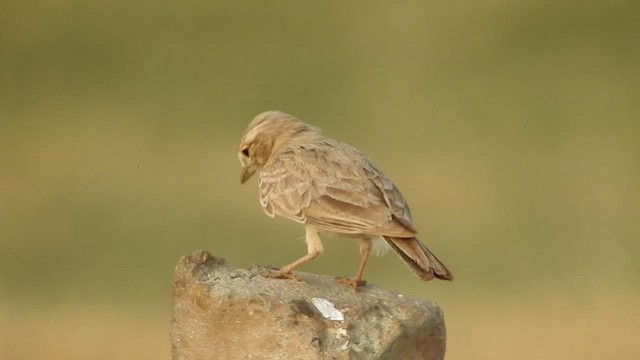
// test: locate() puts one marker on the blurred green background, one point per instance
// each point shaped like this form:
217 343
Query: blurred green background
512 127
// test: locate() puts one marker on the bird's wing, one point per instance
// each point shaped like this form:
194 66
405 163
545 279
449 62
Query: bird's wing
334 187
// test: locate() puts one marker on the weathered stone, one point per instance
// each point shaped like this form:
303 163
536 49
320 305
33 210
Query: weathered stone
221 312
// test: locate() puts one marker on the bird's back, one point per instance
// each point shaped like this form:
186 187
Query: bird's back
319 181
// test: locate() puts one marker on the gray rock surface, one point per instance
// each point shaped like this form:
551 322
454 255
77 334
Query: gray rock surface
221 312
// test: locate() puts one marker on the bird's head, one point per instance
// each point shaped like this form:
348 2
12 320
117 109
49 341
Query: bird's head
265 135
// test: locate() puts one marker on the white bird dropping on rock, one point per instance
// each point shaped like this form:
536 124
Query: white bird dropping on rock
327 309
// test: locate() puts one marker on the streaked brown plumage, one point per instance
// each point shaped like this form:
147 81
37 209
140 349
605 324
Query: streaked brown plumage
330 187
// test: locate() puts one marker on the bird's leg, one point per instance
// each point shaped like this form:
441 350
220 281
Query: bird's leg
365 250
314 248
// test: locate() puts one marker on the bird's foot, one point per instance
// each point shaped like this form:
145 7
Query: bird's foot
277 274
352 283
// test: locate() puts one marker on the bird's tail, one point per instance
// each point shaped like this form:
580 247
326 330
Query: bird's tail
419 259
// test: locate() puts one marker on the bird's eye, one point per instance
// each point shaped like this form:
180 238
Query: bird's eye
245 152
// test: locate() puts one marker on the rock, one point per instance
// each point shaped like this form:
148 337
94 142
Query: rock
221 312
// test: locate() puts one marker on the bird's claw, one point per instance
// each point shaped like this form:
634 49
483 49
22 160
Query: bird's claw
352 283
281 275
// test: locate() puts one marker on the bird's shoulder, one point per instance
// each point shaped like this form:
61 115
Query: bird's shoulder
322 160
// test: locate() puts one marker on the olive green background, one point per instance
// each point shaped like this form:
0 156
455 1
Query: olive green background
512 128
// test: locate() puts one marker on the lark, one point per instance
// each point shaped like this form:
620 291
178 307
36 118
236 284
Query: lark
330 187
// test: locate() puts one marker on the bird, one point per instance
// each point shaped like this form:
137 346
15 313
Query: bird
330 187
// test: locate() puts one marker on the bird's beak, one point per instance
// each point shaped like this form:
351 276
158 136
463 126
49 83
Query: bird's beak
247 172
